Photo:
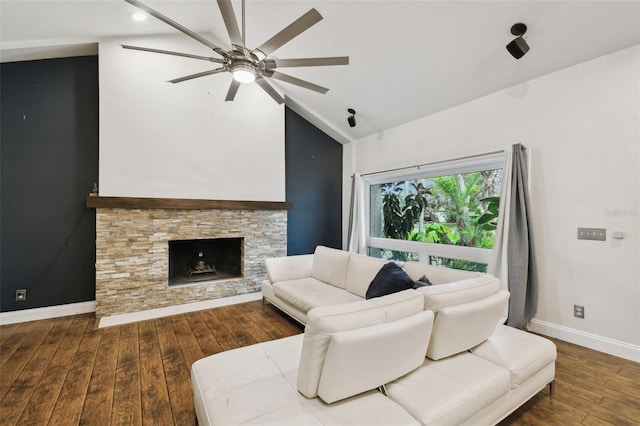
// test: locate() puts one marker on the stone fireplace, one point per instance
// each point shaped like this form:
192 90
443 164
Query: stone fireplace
134 238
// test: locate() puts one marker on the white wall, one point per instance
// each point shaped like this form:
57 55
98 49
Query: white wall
159 139
582 128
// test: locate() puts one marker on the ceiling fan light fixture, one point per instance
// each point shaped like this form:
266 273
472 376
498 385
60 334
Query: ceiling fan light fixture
243 72
247 66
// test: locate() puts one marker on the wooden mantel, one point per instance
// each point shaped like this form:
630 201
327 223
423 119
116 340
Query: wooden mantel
96 201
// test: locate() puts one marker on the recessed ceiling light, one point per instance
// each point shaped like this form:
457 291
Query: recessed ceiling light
138 15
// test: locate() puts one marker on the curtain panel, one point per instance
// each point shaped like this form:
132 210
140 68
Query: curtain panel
513 259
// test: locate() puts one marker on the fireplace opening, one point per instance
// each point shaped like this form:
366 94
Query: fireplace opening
204 260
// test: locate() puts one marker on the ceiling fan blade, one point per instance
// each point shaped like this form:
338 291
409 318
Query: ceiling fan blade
270 90
233 89
226 9
169 52
197 75
294 80
306 62
294 29
178 27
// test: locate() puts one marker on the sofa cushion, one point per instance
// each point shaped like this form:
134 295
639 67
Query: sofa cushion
523 354
222 382
391 278
366 358
326 321
371 409
330 266
451 390
461 327
308 293
362 270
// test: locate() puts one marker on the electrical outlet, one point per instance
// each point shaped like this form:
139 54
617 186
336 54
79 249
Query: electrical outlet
21 295
578 311
597 234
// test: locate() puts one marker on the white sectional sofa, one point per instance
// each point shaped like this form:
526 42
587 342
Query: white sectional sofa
430 356
297 284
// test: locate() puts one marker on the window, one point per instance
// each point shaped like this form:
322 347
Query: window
444 214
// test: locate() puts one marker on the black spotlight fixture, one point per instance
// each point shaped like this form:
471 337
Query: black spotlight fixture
352 118
518 46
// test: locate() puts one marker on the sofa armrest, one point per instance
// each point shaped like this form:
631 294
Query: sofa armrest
288 267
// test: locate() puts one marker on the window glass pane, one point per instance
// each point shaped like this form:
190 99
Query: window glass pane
392 254
457 264
458 209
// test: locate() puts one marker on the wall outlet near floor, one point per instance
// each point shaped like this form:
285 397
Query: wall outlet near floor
21 295
578 311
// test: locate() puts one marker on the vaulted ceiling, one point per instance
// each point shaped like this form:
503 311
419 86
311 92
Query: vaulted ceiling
408 59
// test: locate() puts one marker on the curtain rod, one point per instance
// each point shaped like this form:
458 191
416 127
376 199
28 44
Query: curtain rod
417 166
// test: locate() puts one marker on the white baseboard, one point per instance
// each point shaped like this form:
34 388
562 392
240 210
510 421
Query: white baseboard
35 314
178 309
588 340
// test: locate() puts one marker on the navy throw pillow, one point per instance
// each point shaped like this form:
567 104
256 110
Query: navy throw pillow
391 278
423 281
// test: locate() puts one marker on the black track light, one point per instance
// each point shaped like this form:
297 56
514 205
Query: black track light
352 118
518 46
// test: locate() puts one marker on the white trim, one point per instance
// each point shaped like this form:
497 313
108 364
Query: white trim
441 168
35 314
424 250
588 340
177 309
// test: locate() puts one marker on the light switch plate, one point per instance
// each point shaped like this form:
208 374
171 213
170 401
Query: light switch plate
597 234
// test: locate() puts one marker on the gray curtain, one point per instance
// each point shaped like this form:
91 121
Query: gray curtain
523 279
514 257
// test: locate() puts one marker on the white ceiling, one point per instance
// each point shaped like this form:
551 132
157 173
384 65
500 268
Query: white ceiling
408 59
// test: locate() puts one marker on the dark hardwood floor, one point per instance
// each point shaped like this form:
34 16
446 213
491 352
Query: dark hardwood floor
65 371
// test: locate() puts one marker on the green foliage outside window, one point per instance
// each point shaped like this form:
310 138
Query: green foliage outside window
460 209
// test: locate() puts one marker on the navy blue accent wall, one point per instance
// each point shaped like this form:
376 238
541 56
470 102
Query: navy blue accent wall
314 185
49 162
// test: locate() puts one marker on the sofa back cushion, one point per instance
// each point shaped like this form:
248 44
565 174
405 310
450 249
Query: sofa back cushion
364 359
330 266
361 271
436 274
440 296
461 327
324 322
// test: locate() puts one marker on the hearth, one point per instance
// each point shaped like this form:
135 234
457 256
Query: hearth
205 260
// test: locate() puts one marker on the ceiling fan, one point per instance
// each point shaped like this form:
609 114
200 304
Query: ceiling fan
246 65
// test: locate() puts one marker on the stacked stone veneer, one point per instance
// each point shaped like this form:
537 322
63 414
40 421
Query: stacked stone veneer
132 254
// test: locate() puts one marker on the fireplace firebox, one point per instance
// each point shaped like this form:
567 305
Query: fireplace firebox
205 260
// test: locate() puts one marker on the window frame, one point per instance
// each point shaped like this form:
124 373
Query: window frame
443 168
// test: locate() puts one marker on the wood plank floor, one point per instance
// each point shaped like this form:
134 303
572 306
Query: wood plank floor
65 371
